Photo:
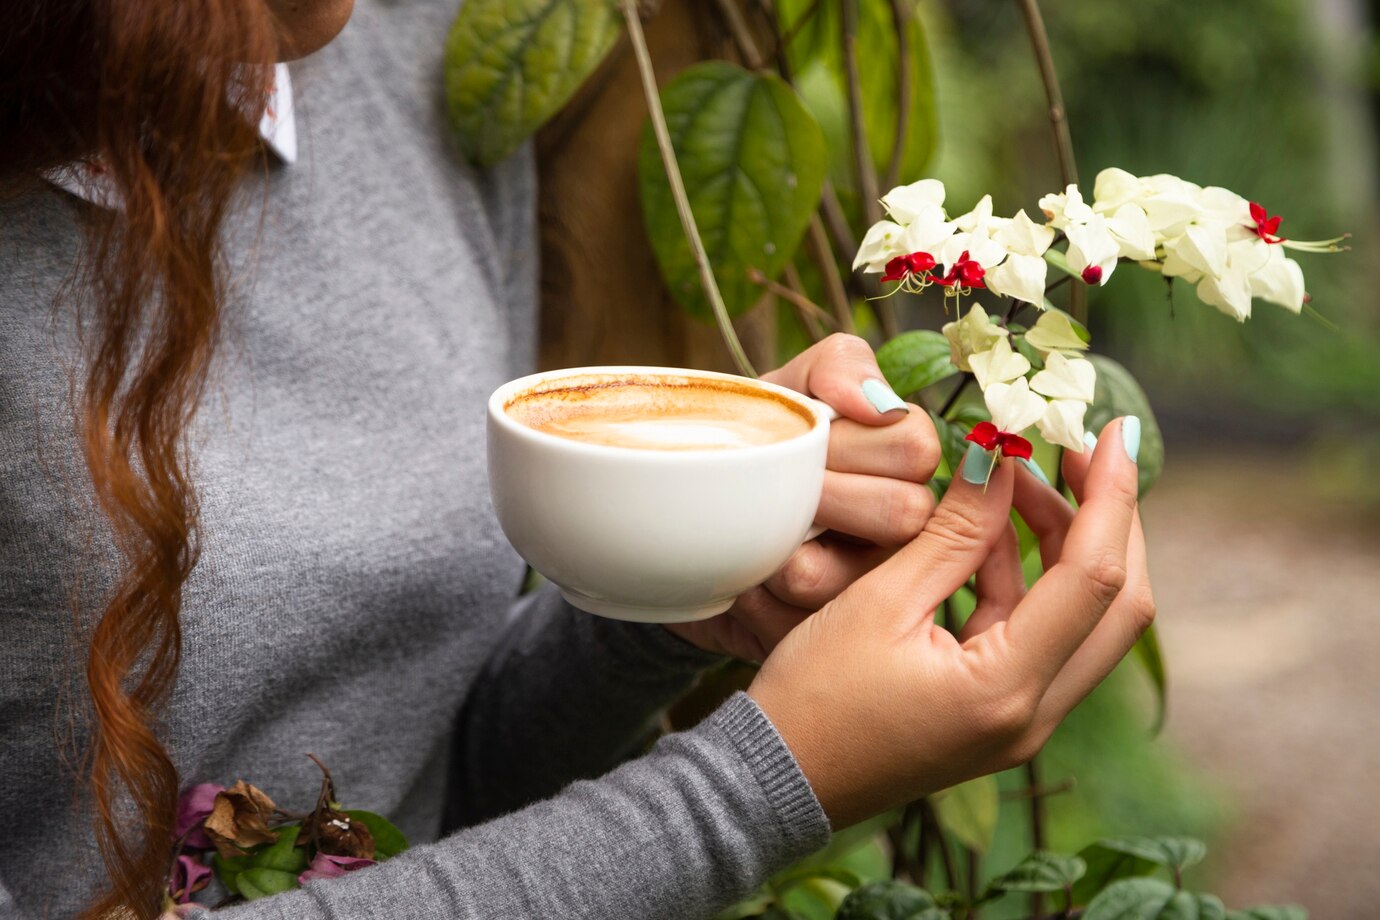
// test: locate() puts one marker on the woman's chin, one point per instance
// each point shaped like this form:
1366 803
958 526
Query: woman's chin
305 26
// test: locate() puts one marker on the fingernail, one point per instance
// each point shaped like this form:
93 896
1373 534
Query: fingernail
1034 469
1090 439
883 397
977 464
1130 436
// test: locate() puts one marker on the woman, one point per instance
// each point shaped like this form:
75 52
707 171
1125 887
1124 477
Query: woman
310 563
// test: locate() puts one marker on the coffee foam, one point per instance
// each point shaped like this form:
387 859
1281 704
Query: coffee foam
659 412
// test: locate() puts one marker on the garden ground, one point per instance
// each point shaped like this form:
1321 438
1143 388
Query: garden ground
1269 611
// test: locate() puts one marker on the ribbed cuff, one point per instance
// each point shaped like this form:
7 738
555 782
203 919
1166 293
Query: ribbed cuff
803 823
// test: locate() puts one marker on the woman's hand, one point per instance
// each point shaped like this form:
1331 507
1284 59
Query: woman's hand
881 706
881 454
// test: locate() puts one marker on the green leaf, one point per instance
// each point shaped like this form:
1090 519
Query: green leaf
1269 912
284 855
1118 394
1147 650
914 360
511 64
1152 899
260 883
753 161
932 913
388 840
951 443
228 870
1105 866
1175 852
798 874
884 900
1060 261
969 811
1042 871
754 906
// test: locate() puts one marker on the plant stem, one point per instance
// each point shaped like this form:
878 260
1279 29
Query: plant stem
1037 824
953 397
818 244
810 312
1058 122
905 65
928 816
687 217
974 881
742 35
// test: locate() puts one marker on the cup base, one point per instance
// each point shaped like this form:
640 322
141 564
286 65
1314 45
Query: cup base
642 614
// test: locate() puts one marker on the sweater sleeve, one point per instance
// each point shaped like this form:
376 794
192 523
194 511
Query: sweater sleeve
698 822
565 695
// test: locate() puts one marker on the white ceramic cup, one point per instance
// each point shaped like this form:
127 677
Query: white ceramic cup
650 535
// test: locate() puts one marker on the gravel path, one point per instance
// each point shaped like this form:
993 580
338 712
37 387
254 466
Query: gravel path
1269 607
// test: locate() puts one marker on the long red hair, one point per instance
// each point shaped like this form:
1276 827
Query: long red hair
166 97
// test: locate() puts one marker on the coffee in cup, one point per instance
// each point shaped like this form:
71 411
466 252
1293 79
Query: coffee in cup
654 494
663 412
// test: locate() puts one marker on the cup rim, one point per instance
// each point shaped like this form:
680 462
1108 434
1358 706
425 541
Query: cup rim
497 415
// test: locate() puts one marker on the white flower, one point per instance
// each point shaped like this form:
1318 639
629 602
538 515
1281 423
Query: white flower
880 245
926 233
1092 251
1061 210
975 332
998 365
1280 280
1130 227
1013 407
1023 236
980 219
1054 332
1066 378
1115 187
906 203
1200 250
1062 423
1253 268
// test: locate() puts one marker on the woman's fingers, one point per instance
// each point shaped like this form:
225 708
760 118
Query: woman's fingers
1045 512
1130 615
908 449
767 619
887 512
820 570
1000 585
956 539
842 371
1064 606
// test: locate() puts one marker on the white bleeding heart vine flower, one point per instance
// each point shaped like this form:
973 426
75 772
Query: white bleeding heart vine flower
1229 248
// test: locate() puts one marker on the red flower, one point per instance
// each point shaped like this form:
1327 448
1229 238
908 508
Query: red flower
1266 227
986 436
1092 274
916 263
964 273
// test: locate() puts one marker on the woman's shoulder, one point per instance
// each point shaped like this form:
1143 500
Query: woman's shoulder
40 237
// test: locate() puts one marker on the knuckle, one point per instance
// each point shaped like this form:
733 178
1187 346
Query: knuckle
1009 716
907 511
1104 576
1142 608
803 576
918 449
955 526
845 345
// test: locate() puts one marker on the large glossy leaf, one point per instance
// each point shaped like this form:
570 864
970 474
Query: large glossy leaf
1105 866
1118 393
1152 899
914 360
1042 871
753 163
885 900
260 883
511 64
969 811
816 55
1176 852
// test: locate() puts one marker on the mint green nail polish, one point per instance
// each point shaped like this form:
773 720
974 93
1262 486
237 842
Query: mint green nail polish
1034 469
1130 436
882 397
1090 439
977 464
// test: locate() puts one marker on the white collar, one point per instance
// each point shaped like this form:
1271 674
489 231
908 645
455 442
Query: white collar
87 179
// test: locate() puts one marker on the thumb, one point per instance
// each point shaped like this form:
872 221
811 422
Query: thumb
959 535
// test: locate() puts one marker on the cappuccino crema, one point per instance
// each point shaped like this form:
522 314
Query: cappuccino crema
655 412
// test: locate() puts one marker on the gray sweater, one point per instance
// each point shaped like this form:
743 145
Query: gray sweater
355 597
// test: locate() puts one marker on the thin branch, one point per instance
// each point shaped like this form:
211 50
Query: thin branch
946 856
836 219
953 397
687 217
823 256
810 312
796 26
742 35
1058 122
974 881
864 172
905 65
1037 825
1016 795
